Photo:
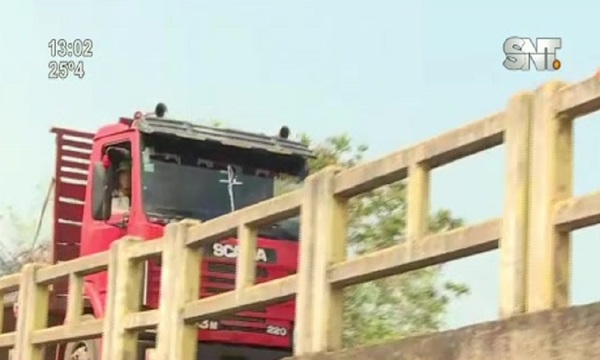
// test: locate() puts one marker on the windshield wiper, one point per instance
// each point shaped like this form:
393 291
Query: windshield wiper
231 182
172 212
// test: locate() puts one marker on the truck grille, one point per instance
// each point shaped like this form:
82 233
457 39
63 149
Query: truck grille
227 283
223 268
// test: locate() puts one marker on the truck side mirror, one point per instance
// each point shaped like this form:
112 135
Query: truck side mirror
101 192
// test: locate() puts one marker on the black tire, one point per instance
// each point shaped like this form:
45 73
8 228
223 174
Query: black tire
83 350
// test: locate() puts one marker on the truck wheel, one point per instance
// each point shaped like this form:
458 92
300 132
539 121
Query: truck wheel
83 350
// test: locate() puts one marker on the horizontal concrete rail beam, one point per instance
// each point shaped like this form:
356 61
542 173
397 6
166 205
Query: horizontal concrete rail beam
581 98
578 212
83 331
264 213
450 146
431 250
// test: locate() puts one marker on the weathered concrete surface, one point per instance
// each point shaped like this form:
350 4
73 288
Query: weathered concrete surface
567 334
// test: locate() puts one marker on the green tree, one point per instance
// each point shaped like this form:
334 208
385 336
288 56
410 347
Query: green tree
397 306
31 235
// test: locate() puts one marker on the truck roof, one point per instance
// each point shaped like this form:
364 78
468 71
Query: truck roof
223 136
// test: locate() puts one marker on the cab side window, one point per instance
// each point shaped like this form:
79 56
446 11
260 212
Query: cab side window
120 177
121 194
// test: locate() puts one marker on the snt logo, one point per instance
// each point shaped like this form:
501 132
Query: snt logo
520 52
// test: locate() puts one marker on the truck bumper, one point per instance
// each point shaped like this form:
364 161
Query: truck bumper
209 351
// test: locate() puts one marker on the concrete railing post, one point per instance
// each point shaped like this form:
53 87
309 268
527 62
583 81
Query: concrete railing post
123 297
417 218
513 240
32 314
303 325
551 181
319 305
180 282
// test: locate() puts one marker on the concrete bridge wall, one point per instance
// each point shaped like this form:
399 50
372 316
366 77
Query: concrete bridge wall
565 334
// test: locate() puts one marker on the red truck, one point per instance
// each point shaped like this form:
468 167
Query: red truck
178 170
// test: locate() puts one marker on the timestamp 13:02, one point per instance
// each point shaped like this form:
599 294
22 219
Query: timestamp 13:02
77 48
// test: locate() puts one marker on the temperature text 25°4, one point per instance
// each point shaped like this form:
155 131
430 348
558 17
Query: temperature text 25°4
64 69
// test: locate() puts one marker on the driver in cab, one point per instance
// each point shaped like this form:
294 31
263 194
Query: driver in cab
122 194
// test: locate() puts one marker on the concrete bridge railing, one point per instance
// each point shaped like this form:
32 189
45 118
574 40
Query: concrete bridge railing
532 234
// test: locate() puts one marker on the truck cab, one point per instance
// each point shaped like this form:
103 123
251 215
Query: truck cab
146 171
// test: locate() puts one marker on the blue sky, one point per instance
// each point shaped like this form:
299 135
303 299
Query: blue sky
389 73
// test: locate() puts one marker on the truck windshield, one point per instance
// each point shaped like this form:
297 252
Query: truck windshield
191 191
180 185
